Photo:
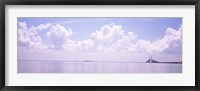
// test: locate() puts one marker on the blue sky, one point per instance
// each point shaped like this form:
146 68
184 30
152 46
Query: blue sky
92 35
143 27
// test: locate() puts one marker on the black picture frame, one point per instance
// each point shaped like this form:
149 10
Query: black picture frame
3 3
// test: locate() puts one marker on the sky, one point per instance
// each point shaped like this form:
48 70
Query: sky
100 39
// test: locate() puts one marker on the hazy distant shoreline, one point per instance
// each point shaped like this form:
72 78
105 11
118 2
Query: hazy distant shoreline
99 61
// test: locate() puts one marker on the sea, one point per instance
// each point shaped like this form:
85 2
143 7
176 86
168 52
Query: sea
55 66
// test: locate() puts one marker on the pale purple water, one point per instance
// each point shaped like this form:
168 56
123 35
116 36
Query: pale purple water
96 67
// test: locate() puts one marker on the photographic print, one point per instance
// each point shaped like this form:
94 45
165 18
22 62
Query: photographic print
99 44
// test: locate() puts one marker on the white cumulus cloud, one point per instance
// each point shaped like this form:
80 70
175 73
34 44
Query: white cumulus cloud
22 25
58 34
43 26
171 38
28 37
111 41
109 38
112 37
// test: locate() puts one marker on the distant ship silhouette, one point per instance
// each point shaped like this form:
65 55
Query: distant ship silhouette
88 61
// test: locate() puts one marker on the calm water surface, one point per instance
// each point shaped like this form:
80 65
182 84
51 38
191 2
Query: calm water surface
95 67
